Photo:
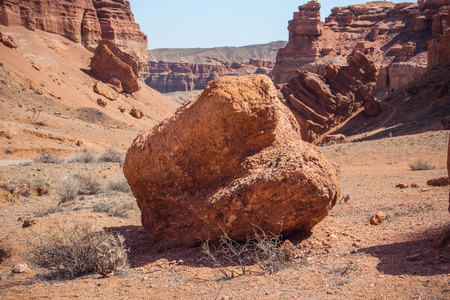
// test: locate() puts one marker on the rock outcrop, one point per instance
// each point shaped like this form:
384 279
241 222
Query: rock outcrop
230 160
448 169
322 102
386 32
109 63
303 46
167 77
439 48
86 22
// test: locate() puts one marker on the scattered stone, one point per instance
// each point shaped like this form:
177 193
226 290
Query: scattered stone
424 190
28 223
122 109
357 244
22 268
442 181
333 139
289 251
214 173
413 257
8 41
377 218
415 185
137 113
105 90
101 102
180 262
402 186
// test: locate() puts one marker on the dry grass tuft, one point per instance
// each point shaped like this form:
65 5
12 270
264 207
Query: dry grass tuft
71 251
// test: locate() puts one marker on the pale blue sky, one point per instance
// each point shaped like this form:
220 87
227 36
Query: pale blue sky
209 23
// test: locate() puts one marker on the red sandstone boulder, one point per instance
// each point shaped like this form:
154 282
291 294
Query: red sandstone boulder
448 169
8 41
230 160
110 62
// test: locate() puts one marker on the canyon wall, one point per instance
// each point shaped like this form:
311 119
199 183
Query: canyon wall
167 77
385 32
86 22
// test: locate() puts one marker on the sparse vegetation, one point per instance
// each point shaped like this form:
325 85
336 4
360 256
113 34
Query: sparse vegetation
48 157
86 156
421 165
112 155
47 211
88 184
114 209
67 189
119 183
232 258
74 250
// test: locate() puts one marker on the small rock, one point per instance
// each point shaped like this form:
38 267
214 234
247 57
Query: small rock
442 181
401 186
332 236
137 113
377 218
105 90
19 269
122 109
330 292
415 185
101 102
424 190
180 262
413 257
28 223
357 244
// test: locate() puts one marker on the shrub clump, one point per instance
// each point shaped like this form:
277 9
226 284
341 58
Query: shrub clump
420 165
87 156
48 157
67 189
114 209
112 155
88 184
71 251
119 183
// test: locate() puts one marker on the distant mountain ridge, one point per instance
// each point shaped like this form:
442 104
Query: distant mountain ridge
217 55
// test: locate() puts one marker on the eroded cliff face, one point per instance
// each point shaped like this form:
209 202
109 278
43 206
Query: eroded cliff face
167 77
439 48
86 22
385 32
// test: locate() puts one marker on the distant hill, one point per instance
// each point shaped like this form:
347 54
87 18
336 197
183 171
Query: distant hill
217 55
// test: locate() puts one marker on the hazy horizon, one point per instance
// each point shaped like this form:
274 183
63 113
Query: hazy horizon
208 24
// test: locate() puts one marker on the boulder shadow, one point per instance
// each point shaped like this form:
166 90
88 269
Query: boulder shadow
143 252
418 257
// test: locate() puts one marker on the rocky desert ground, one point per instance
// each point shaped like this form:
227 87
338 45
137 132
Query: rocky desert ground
344 257
71 226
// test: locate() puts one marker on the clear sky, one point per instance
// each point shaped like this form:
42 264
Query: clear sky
210 23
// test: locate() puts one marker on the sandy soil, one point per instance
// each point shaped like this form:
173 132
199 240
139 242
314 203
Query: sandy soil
47 100
344 258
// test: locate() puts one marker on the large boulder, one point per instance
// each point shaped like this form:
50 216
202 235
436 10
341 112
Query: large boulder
110 62
230 160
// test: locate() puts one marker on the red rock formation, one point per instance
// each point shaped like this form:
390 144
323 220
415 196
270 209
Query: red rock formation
110 63
386 32
439 49
167 77
82 21
322 102
303 46
234 160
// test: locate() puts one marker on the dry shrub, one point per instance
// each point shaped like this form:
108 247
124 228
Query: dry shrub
88 184
421 165
67 189
70 251
86 156
115 209
42 212
48 157
112 155
119 183
232 258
